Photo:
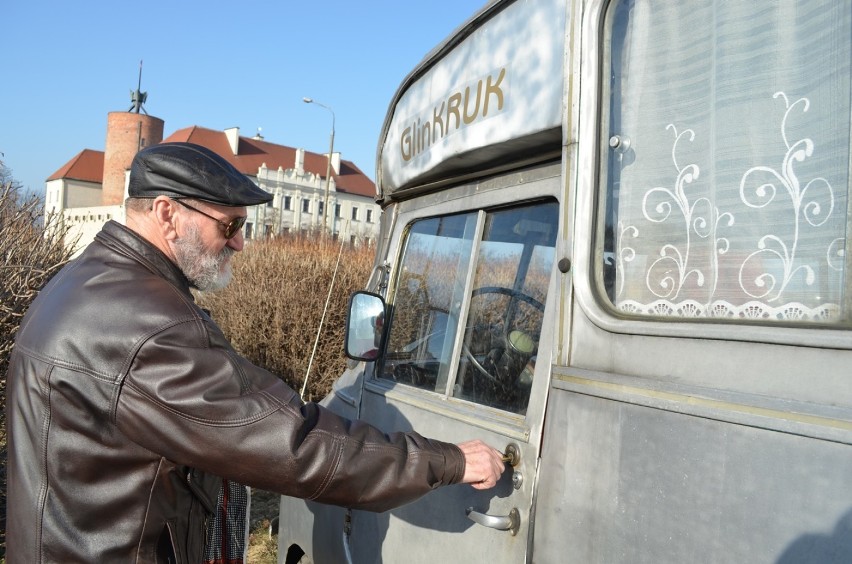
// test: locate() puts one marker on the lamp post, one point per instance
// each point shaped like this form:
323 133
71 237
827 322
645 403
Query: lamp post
330 153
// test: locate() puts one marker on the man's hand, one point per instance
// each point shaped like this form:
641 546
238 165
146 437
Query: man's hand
483 464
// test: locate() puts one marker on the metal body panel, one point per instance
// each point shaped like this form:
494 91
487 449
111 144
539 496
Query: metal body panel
438 520
810 374
633 483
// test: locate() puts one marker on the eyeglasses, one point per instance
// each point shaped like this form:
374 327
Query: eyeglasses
231 228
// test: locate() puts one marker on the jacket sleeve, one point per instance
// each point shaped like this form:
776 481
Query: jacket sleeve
190 398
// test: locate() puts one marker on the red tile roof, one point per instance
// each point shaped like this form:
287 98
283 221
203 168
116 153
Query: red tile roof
252 153
87 165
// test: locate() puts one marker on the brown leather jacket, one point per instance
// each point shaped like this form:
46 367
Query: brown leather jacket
124 399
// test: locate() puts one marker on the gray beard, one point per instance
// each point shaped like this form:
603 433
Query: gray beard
205 270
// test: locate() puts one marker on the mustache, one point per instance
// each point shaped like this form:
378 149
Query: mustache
225 253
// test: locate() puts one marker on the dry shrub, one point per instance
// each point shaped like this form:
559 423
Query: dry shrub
272 309
263 547
30 255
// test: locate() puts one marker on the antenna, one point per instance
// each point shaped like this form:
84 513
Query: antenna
138 97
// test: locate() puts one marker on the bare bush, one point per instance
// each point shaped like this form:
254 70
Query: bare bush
30 254
271 311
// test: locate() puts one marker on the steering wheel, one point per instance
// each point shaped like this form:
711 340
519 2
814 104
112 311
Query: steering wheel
518 344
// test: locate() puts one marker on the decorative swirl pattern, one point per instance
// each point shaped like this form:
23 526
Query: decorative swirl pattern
667 274
767 285
625 253
767 272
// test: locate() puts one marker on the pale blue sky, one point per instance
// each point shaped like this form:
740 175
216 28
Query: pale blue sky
66 65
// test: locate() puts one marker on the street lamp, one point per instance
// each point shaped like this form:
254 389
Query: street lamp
330 153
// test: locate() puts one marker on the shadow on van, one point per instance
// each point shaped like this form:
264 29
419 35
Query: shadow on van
442 510
834 548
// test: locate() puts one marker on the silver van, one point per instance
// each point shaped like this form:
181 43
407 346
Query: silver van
614 243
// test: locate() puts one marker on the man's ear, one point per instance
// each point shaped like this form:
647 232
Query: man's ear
165 216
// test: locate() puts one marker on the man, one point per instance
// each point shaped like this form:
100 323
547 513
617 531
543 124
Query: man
127 406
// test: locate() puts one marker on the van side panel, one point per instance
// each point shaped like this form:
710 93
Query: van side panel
621 482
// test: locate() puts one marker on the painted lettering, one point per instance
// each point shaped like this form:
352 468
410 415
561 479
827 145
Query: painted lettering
459 109
453 104
469 116
438 119
496 90
405 148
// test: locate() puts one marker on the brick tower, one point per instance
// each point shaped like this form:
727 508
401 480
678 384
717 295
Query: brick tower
127 133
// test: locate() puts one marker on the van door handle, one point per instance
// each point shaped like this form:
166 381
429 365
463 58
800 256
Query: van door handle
510 522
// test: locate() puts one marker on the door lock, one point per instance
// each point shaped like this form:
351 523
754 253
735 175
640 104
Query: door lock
512 455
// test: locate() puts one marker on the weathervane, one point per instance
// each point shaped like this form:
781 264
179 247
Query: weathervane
138 97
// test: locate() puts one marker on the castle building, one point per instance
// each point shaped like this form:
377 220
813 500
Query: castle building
90 189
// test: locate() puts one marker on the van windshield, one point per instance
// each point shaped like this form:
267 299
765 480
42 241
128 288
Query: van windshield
468 304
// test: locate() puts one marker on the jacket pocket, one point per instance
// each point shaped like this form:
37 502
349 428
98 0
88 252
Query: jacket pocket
205 490
167 552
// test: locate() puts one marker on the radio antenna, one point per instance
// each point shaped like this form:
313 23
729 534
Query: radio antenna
322 320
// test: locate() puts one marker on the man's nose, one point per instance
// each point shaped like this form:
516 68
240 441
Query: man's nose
237 242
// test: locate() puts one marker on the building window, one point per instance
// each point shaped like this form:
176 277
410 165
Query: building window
247 228
354 213
369 216
288 203
306 206
336 210
320 207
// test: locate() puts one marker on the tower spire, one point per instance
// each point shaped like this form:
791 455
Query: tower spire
138 97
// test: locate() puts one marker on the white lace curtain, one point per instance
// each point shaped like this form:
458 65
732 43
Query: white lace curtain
729 157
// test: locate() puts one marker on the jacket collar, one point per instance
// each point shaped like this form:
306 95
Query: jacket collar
129 243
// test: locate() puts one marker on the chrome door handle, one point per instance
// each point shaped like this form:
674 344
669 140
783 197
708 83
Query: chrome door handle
510 522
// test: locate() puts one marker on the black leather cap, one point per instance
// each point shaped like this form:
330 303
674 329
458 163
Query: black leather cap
186 170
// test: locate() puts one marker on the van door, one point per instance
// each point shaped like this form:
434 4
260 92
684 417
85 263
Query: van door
466 356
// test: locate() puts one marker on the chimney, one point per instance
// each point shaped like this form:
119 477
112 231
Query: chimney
233 135
300 161
335 162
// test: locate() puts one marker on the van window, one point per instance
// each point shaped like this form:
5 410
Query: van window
726 160
468 304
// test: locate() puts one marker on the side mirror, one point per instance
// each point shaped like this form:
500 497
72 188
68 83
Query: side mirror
364 326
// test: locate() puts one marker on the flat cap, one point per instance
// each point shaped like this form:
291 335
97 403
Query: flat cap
186 170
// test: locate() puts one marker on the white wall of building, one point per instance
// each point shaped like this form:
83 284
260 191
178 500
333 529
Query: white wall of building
84 223
298 201
64 193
